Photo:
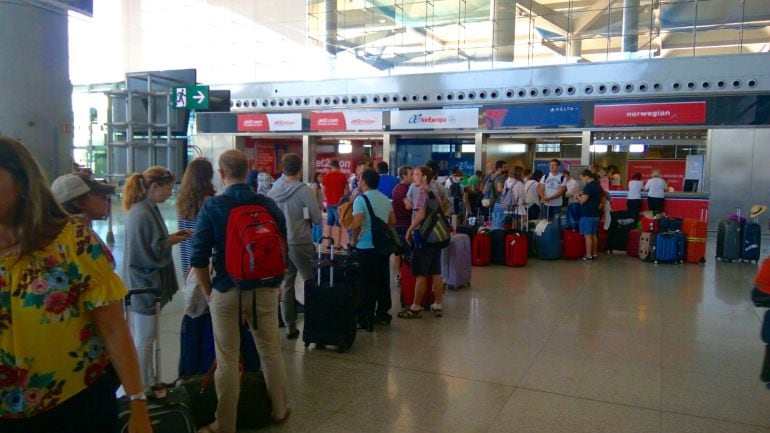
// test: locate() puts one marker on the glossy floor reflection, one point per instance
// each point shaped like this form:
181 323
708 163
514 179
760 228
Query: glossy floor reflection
617 345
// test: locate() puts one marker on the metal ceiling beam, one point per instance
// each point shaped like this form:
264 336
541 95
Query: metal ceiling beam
546 17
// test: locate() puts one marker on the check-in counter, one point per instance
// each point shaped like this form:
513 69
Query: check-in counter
677 204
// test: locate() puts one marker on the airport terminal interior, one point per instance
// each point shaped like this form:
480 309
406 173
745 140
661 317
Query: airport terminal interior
676 88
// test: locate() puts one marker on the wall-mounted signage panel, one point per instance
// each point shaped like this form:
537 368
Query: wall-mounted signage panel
668 113
270 122
435 119
347 120
540 115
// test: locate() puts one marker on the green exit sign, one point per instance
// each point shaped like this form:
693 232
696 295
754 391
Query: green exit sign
190 97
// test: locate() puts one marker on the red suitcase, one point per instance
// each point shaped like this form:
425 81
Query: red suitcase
649 225
632 244
573 245
602 239
481 250
407 288
516 248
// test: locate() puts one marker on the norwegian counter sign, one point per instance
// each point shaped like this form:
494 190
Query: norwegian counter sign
273 122
540 115
346 121
668 113
435 119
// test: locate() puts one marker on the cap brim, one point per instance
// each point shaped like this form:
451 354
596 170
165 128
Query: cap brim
103 188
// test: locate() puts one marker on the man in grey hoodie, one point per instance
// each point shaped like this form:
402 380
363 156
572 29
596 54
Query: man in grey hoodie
298 204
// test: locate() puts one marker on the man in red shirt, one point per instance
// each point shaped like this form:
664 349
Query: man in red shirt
335 185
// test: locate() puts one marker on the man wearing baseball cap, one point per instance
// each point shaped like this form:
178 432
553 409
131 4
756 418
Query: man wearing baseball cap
83 197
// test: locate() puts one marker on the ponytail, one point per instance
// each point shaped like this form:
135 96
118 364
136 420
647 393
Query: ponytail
134 190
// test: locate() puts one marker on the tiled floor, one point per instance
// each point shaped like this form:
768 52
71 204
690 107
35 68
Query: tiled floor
612 346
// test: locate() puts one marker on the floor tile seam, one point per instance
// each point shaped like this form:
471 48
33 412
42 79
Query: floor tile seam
497 415
453 376
711 418
614 403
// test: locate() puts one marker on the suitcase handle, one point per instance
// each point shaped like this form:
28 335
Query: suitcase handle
156 318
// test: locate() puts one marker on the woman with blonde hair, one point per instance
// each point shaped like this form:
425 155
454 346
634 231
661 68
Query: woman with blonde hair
147 259
62 331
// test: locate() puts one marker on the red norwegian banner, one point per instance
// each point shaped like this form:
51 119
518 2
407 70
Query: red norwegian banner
650 114
253 123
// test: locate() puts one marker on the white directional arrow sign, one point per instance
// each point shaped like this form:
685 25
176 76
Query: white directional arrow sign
200 97
190 97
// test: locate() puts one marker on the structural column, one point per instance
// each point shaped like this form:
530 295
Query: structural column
630 26
503 30
35 89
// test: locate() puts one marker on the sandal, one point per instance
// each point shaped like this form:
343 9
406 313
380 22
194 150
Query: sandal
284 418
410 314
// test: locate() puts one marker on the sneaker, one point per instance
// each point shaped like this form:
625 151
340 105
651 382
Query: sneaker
588 258
408 313
437 312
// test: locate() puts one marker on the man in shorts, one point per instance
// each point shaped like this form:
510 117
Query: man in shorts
589 213
335 186
426 260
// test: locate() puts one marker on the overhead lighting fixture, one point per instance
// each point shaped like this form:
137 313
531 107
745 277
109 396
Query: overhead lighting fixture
345 146
636 148
468 148
599 148
513 148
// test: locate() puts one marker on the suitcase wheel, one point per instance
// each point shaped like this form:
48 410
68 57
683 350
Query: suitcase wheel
342 348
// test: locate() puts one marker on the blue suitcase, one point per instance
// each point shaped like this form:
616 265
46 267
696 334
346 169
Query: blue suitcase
669 247
752 242
549 243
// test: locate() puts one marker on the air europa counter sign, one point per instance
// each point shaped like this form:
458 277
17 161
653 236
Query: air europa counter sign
269 122
435 119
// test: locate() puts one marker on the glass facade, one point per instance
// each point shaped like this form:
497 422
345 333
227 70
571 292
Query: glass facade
412 36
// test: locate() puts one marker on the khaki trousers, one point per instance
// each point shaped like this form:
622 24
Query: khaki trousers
227 343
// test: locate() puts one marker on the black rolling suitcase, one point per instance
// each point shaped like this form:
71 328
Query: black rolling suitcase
730 239
168 406
497 242
330 301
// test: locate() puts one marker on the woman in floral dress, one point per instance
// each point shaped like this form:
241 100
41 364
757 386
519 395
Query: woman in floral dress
62 331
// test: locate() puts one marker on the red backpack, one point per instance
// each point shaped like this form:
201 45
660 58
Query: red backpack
255 251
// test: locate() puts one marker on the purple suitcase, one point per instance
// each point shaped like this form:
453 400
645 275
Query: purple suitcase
456 262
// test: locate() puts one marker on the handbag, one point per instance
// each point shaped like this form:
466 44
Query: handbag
195 303
434 229
254 409
384 237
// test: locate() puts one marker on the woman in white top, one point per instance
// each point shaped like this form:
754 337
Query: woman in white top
531 195
634 201
517 193
656 191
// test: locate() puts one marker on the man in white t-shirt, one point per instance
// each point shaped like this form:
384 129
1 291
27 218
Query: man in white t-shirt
552 188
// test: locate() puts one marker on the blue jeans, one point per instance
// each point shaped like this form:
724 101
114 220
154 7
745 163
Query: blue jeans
552 212
498 216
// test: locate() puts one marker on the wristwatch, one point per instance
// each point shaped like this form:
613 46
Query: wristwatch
138 396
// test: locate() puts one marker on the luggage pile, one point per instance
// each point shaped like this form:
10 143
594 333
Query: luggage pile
738 239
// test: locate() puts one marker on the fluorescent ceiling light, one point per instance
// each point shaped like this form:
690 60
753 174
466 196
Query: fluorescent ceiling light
513 148
636 148
345 146
468 148
599 148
